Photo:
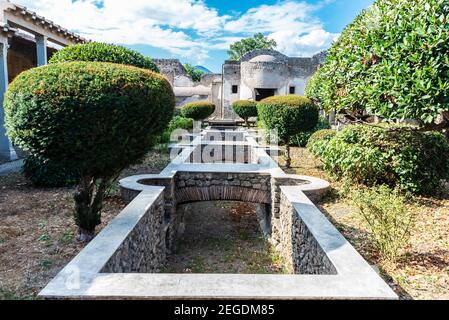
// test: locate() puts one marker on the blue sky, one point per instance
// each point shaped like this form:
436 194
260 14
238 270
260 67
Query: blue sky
199 32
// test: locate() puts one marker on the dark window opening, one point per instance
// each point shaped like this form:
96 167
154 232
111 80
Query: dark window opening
264 93
292 90
235 89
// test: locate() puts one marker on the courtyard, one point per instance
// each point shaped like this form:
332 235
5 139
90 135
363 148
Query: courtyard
290 172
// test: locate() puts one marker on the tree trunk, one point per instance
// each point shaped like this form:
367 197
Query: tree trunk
88 205
246 122
287 155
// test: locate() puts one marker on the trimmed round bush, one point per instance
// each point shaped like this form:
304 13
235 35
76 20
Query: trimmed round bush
198 110
288 115
302 138
245 109
96 118
46 173
412 161
392 62
102 52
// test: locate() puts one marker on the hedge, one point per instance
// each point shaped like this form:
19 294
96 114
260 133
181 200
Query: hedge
412 161
391 61
96 118
102 52
198 110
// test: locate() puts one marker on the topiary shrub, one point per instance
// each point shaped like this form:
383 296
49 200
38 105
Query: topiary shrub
319 140
96 118
392 62
47 173
102 52
245 109
301 139
198 110
288 115
412 161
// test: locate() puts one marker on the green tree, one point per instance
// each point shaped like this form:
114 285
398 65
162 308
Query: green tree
238 49
193 72
245 109
198 111
288 115
93 117
391 61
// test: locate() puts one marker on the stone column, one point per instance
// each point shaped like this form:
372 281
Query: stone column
41 49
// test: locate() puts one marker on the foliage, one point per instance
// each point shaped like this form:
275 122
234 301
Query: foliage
318 141
178 122
387 218
193 72
245 109
96 118
301 139
239 48
288 116
198 110
392 61
102 52
411 161
47 173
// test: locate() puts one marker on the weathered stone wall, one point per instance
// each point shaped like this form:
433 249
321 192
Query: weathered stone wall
170 68
249 187
292 239
144 249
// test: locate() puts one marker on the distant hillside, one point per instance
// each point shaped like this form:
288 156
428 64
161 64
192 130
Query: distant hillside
203 69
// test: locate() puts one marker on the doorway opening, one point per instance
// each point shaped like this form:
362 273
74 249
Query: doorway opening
264 93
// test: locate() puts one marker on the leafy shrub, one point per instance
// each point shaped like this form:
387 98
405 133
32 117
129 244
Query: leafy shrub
412 161
198 110
319 140
387 218
288 115
245 109
301 139
96 118
392 61
102 52
178 122
44 172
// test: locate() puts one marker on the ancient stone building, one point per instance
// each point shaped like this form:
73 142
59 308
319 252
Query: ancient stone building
263 73
259 74
208 89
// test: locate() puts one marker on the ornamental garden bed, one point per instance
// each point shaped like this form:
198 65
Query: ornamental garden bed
37 232
423 271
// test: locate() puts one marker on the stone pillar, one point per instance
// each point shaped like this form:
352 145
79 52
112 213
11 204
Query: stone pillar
6 151
41 49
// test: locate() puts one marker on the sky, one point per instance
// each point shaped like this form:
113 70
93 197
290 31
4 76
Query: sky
200 31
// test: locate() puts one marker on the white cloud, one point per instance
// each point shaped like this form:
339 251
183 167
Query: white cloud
187 28
270 18
296 44
292 24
